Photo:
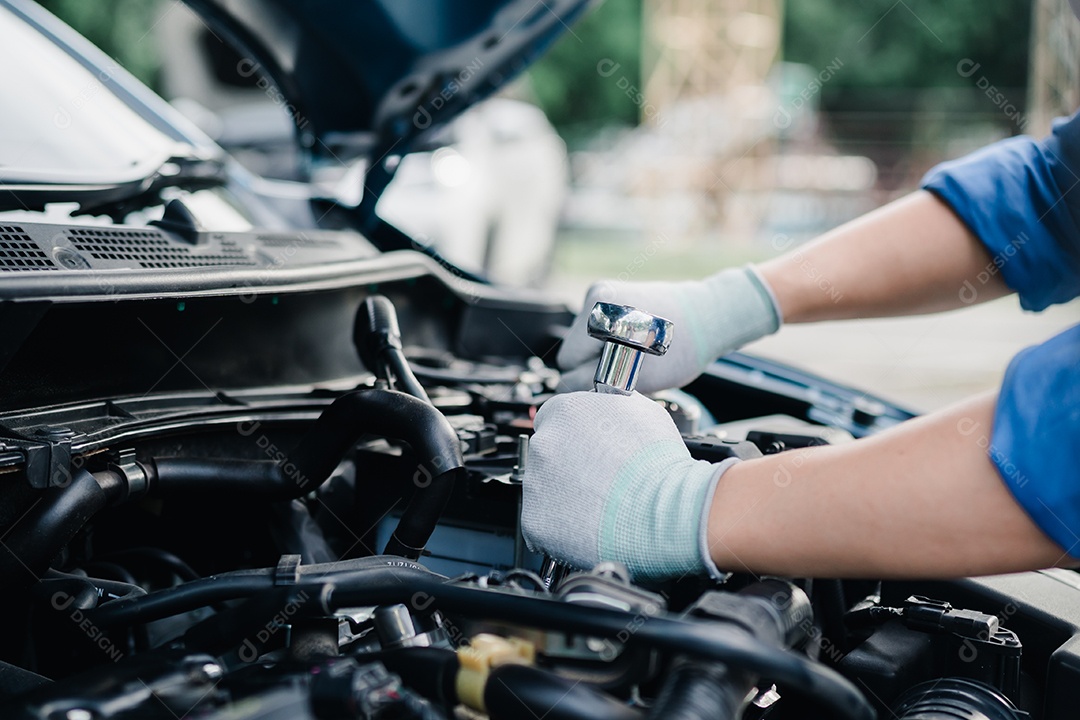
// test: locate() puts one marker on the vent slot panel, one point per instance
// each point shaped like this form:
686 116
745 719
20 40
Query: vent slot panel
151 249
19 252
296 240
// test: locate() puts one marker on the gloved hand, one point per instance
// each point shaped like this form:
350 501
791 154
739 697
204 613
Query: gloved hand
712 317
609 478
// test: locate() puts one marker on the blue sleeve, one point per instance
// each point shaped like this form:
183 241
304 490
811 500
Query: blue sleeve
1036 439
1020 198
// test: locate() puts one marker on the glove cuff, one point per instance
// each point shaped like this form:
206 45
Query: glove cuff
704 547
655 517
763 286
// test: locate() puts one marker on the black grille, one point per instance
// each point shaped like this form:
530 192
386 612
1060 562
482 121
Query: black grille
151 249
19 252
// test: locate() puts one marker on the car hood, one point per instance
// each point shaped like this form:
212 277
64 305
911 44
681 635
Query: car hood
366 78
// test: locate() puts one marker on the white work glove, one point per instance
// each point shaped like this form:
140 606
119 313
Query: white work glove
609 479
712 317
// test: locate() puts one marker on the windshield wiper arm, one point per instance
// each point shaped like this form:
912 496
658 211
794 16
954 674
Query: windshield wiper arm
189 173
119 197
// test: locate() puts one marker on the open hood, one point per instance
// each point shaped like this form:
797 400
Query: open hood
365 78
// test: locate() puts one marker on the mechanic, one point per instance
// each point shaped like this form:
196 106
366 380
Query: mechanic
990 485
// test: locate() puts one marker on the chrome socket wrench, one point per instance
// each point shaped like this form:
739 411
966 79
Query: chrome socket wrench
628 335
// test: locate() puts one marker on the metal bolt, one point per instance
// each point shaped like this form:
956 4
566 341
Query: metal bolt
207 672
522 458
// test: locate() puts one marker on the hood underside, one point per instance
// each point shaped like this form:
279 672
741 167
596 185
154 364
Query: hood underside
364 79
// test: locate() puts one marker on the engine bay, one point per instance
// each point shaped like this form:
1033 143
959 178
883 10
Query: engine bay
327 525
261 452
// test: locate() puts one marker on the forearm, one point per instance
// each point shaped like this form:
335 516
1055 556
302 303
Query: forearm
909 257
920 500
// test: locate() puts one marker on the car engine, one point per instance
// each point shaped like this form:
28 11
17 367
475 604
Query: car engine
299 497
261 452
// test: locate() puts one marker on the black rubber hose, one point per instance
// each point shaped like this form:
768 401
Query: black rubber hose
404 377
397 581
713 641
386 413
152 555
102 587
39 535
240 584
70 594
377 338
421 515
775 611
772 612
509 693
241 625
396 415
957 699
519 691
174 476
64 593
182 598
702 691
113 571
376 330
830 600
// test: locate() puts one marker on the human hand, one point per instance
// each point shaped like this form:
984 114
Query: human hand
712 317
609 478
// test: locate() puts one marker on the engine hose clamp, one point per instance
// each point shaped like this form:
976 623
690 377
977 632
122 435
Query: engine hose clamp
287 571
136 480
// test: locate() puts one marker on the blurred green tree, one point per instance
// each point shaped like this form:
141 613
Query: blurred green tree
567 83
892 50
122 28
904 46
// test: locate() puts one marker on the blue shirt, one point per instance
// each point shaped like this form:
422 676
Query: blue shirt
1021 198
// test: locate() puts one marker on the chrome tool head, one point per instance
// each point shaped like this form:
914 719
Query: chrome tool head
631 327
627 333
